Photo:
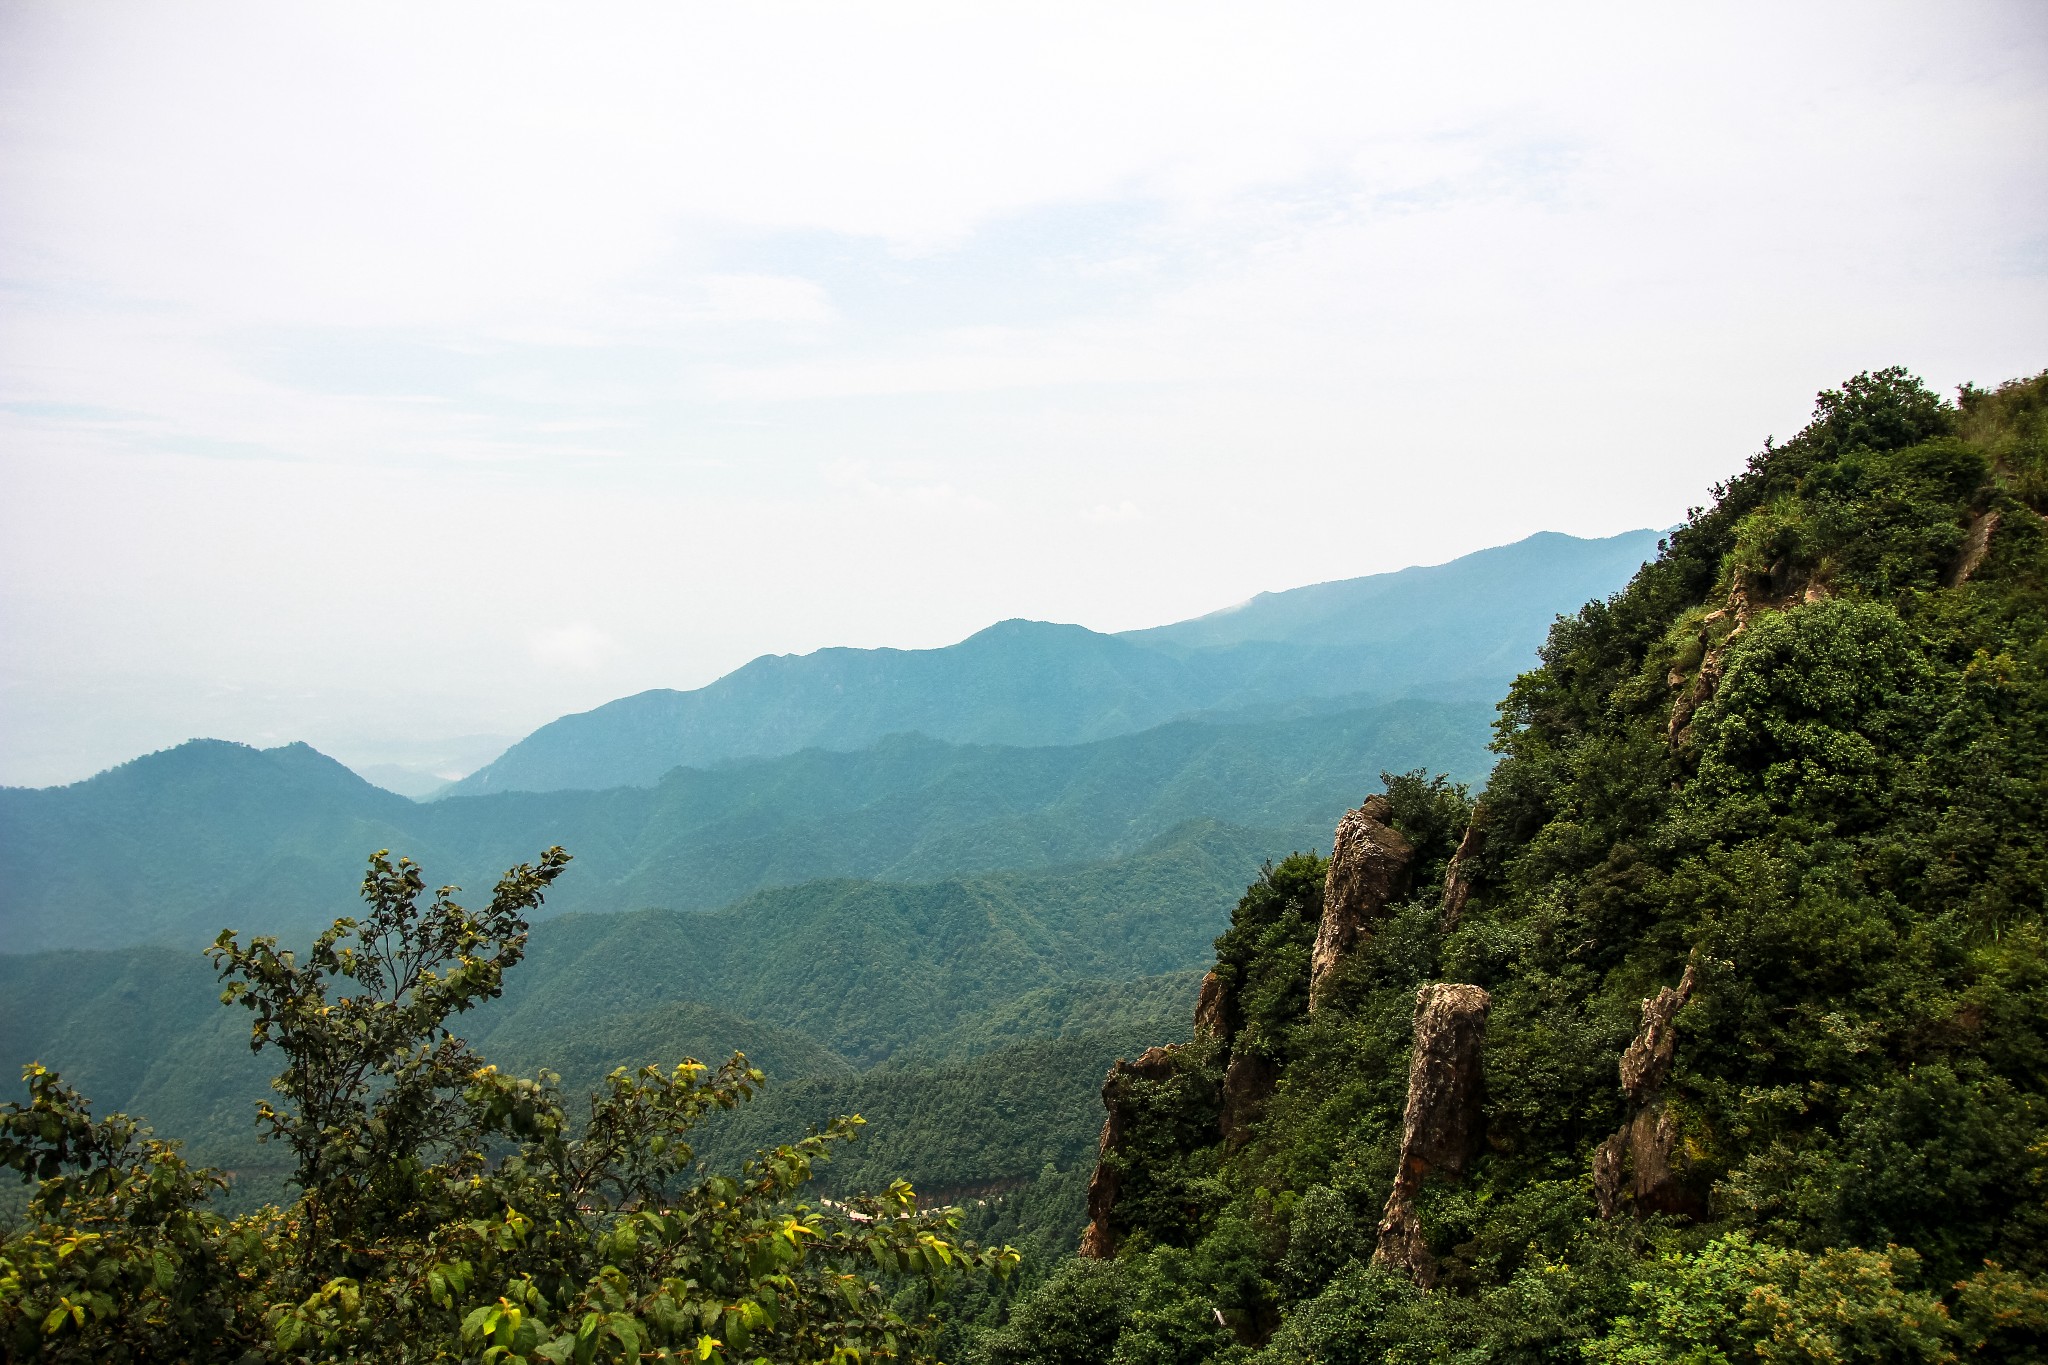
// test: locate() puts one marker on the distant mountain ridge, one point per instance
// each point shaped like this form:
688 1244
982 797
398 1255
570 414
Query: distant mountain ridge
171 847
1492 592
1460 629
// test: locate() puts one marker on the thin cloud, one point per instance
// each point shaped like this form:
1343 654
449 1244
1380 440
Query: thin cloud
1109 513
579 645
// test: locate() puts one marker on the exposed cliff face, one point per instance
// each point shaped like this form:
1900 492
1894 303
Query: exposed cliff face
1976 545
1154 1063
1369 861
1639 1166
1443 1126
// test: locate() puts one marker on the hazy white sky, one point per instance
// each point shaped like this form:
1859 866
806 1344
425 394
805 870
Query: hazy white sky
378 373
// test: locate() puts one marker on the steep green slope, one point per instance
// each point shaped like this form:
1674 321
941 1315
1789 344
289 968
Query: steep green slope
1136 1010
1796 776
173 847
1459 629
801 979
869 969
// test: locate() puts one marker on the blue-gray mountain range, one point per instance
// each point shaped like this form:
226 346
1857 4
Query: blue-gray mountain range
942 888
1027 746
1456 631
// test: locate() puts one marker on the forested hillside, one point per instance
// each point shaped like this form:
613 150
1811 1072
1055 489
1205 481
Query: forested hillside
1452 631
818 981
1717 1029
172 848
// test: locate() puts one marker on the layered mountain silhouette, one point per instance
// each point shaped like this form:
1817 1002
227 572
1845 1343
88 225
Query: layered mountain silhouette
1026 746
907 882
1456 630
172 847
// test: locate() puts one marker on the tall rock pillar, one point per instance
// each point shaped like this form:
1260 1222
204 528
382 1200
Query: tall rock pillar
1444 1124
1369 861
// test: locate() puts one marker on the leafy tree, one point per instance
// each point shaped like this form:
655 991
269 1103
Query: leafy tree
447 1210
1736 1299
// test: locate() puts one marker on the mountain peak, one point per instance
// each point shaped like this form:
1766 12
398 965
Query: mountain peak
201 760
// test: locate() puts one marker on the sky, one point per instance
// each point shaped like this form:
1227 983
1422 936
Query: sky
397 377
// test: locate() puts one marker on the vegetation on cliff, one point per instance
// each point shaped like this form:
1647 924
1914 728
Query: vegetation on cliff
1754 905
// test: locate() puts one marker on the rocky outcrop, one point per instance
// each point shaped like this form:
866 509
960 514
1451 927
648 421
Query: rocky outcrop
1155 1064
1750 597
1457 876
1704 684
1249 1076
1369 861
1646 1061
1444 1124
1214 1010
1638 1166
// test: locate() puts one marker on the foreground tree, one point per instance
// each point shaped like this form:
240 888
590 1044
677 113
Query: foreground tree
446 1210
